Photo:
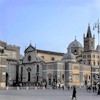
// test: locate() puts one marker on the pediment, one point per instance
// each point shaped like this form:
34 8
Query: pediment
30 48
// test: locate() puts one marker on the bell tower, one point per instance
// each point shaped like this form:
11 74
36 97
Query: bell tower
89 41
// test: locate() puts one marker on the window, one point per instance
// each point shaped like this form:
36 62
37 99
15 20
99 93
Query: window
98 62
75 51
76 67
76 76
63 76
29 58
98 56
89 62
93 56
94 62
50 67
83 61
89 77
37 68
84 56
52 58
89 56
93 76
2 50
29 69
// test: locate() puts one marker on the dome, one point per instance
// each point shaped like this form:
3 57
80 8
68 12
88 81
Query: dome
69 57
98 48
75 43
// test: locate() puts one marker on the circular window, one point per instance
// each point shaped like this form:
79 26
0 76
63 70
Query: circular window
29 58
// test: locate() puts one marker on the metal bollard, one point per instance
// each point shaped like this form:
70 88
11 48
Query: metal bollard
7 88
35 88
43 88
27 88
17 88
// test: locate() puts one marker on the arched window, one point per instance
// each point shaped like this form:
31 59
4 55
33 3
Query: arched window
37 68
21 73
98 62
63 76
29 74
75 51
52 58
89 77
94 62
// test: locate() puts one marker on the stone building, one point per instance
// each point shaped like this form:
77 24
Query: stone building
79 66
7 52
67 72
91 56
54 73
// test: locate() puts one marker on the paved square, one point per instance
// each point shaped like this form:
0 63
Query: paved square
47 94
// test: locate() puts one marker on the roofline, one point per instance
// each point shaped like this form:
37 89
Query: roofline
49 52
12 60
90 51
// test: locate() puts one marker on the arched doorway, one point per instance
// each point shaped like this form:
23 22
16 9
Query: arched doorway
49 79
29 74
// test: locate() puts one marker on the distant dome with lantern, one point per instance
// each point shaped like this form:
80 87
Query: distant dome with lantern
75 43
69 57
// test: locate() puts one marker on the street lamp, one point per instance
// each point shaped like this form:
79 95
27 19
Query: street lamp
97 26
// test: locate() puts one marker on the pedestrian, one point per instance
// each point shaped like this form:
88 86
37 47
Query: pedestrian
59 86
68 87
74 93
63 87
89 88
93 88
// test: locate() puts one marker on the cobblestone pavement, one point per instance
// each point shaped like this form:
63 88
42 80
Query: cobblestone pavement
47 94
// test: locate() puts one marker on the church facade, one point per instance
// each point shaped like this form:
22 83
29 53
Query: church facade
30 68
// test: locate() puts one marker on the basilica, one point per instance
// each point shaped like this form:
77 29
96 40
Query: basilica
78 66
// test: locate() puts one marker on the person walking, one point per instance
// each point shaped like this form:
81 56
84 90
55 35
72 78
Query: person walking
93 88
74 93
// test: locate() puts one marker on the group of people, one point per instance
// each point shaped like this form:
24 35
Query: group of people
89 88
93 88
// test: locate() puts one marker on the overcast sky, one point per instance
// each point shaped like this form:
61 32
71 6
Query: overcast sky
50 24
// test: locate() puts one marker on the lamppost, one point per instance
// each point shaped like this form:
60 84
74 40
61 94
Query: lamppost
97 26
